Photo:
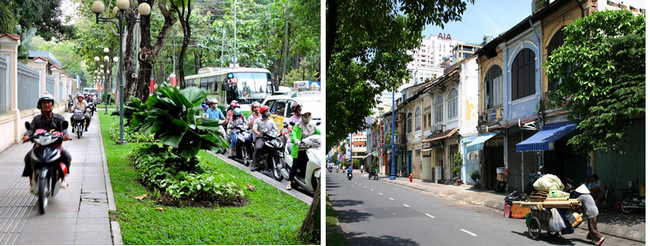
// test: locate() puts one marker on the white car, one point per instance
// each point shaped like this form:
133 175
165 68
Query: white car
280 105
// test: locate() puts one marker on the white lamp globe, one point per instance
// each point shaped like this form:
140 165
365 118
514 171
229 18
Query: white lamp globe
144 9
98 7
106 50
106 59
115 59
96 58
123 4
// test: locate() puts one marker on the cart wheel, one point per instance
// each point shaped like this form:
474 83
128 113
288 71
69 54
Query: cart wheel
534 228
625 205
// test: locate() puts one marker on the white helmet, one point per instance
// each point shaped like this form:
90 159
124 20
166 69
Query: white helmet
214 100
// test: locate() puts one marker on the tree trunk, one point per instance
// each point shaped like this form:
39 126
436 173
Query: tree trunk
128 58
197 61
183 13
310 227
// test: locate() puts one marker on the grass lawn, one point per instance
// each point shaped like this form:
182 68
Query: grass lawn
272 217
333 237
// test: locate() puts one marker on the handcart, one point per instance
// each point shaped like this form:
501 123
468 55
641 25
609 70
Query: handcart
540 214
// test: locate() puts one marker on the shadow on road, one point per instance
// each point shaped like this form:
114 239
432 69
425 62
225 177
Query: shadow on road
356 239
345 203
352 216
552 240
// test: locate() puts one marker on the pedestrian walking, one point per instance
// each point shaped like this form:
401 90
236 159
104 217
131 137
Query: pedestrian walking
591 211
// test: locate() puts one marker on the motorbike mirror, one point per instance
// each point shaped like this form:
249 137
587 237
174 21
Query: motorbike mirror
65 124
292 123
318 123
27 125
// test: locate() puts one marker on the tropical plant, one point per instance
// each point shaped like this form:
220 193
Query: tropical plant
601 70
131 108
175 117
458 162
475 175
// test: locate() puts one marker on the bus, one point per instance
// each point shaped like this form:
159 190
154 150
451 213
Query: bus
246 85
88 90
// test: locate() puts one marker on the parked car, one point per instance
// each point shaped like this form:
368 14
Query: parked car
281 105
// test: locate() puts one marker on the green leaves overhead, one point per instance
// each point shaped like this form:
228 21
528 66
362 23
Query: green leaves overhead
601 66
366 53
175 118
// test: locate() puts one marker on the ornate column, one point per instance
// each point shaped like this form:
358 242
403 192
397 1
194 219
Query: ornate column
9 47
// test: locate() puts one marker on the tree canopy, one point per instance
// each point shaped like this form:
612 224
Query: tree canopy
367 44
601 66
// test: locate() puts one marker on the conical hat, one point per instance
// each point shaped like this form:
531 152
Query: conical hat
582 189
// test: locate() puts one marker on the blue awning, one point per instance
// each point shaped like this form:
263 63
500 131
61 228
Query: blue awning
545 138
477 144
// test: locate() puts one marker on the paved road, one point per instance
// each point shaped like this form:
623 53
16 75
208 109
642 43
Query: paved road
378 213
77 215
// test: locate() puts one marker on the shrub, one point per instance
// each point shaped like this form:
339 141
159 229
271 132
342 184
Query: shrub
475 175
183 178
458 162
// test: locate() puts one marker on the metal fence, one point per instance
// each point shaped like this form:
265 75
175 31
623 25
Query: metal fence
4 86
28 87
50 86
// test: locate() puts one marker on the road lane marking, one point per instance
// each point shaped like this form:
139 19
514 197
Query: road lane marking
381 194
364 187
468 232
391 198
430 216
372 189
406 205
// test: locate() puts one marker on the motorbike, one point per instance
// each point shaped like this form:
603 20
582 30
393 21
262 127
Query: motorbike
47 169
79 122
349 176
242 146
92 108
308 177
222 133
631 200
270 157
70 104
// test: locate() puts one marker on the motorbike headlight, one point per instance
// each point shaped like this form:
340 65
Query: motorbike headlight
45 140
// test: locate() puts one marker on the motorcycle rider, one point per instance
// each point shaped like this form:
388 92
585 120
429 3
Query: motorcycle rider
237 119
233 104
350 171
296 109
255 114
302 130
213 112
80 104
47 121
261 126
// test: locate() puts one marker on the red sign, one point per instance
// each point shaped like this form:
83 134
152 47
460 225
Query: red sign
442 36
99 87
173 81
152 85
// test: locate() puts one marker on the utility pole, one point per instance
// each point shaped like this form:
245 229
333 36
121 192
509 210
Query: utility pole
235 46
286 40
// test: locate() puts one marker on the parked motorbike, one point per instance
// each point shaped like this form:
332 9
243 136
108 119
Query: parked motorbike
270 157
48 170
631 200
308 177
242 147
79 122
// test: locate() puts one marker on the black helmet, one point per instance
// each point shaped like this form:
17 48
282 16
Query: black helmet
44 97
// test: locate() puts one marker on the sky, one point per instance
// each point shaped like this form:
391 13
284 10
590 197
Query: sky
484 17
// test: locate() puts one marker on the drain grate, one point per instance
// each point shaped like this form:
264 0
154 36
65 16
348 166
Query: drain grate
15 206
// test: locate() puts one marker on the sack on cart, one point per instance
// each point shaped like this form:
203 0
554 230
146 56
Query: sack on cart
548 182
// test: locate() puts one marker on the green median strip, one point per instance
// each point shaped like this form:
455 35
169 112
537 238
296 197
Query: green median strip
271 217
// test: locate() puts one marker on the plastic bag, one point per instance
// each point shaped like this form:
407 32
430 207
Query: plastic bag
513 196
556 223
530 181
548 182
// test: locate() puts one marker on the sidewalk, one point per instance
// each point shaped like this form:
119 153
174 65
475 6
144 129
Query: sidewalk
77 215
612 223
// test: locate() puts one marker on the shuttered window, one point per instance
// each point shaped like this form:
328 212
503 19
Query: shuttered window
523 74
556 42
493 87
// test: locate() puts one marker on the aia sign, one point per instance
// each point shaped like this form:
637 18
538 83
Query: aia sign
443 37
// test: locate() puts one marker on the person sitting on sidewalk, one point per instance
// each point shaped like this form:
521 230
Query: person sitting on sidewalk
46 120
591 212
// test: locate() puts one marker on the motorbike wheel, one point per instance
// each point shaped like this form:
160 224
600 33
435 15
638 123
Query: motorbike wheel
627 202
43 194
79 131
244 156
277 166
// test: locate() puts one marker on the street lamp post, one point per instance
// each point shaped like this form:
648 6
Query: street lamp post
118 11
392 141
106 60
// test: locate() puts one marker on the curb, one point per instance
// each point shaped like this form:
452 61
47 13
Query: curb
116 232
